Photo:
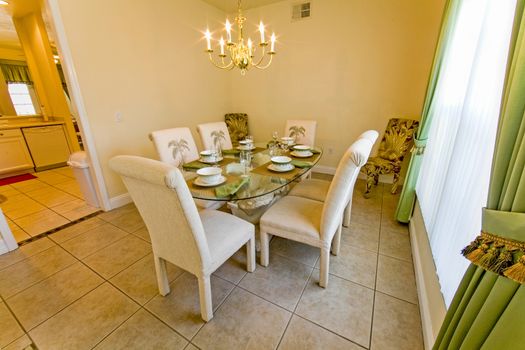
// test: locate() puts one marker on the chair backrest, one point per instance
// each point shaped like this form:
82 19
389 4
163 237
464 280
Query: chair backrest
398 135
214 133
342 185
237 126
168 210
175 145
302 130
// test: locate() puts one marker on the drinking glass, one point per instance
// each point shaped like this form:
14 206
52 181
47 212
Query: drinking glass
245 160
275 136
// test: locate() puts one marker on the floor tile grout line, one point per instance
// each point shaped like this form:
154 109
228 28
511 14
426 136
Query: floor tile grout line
16 262
377 269
329 330
17 321
295 308
117 327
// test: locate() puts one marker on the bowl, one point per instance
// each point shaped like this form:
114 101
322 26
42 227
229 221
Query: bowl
207 155
302 148
209 175
281 162
287 140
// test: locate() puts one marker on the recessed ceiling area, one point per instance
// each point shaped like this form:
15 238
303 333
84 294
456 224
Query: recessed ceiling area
231 5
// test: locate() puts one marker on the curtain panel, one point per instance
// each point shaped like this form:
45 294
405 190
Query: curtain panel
16 73
488 309
408 193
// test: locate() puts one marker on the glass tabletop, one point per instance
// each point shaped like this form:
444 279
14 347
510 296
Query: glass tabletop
259 181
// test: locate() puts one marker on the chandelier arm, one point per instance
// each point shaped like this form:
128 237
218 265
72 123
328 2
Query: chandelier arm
224 66
262 57
268 64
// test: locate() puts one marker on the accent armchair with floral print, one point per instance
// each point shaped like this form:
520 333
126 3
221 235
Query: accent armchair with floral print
393 148
237 126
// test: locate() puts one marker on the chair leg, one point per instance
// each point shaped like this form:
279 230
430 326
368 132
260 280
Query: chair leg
265 248
395 183
205 298
250 255
336 242
347 215
162 275
323 272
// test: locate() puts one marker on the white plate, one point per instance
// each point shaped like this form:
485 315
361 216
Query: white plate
199 182
272 167
301 155
209 161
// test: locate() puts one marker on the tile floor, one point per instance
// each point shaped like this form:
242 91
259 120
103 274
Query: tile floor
92 285
35 206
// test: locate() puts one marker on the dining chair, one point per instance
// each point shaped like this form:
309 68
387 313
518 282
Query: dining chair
302 130
312 222
198 242
237 124
215 134
317 189
395 144
176 147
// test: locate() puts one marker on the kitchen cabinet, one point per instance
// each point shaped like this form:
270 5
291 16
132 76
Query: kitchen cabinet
14 155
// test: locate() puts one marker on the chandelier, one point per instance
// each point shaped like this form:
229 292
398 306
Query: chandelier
241 54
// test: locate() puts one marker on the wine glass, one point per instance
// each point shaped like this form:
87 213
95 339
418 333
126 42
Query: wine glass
245 159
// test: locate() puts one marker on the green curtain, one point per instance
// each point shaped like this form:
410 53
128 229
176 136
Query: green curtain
16 73
488 310
408 194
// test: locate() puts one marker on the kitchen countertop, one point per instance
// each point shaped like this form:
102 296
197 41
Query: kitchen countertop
27 124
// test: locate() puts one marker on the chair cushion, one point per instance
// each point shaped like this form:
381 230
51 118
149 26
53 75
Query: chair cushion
297 215
225 234
312 189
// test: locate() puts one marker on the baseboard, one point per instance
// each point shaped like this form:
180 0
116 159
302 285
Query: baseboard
431 303
120 200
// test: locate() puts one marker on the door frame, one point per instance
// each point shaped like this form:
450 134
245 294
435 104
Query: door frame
52 9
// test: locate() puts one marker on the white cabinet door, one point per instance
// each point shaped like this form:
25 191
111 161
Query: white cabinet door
14 155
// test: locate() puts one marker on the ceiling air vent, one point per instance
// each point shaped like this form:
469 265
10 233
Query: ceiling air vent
301 11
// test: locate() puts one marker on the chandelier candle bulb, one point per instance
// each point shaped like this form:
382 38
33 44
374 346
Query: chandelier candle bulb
229 31
272 47
250 46
221 43
261 29
208 40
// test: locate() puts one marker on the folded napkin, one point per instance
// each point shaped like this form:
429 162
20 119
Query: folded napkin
231 188
195 165
302 163
232 151
315 151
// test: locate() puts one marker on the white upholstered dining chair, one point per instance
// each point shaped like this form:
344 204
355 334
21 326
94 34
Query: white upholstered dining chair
317 189
313 222
293 128
211 133
177 145
198 242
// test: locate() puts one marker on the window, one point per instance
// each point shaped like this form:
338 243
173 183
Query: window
455 172
22 98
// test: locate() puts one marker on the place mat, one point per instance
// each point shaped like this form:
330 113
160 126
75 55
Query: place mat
232 151
289 175
229 189
313 158
209 192
302 163
196 164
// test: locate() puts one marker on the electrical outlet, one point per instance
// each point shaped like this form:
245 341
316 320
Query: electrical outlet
118 117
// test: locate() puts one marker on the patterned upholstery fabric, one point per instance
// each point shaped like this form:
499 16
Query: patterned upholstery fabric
394 145
237 126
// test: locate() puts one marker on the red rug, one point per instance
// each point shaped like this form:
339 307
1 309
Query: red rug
14 179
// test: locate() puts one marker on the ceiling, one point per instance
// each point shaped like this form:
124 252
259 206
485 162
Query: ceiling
231 5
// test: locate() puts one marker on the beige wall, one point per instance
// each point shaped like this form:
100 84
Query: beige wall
353 65
144 59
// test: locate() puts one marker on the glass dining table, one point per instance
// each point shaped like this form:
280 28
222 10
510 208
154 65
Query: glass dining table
249 182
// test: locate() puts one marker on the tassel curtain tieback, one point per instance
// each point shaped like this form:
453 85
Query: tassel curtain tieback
503 256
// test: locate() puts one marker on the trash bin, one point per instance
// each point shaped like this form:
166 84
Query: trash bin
79 163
